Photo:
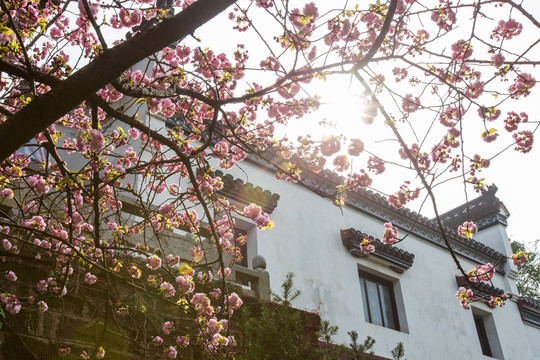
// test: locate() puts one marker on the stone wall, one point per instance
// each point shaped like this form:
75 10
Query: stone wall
86 317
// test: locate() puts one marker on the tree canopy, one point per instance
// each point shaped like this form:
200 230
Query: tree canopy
528 279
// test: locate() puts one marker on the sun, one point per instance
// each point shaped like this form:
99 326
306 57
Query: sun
345 110
345 114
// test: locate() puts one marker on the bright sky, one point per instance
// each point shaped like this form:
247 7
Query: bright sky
514 173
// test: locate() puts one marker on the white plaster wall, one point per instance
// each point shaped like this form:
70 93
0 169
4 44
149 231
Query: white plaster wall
533 338
496 238
306 241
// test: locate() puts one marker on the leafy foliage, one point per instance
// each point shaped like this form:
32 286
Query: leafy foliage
399 351
278 331
361 351
528 279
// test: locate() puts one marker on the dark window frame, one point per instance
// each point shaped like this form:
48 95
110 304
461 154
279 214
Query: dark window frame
243 249
381 283
482 334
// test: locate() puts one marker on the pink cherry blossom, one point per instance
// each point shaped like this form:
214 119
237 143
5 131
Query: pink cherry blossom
153 262
356 147
341 163
376 165
497 300
214 326
461 50
90 279
182 341
498 60
519 258
170 353
220 340
490 136
165 209
444 16
329 146
524 141
42 306
489 113
39 184
465 296
366 245
8 193
474 89
6 244
410 104
13 305
167 289
234 301
97 141
507 29
270 63
289 90
168 327
185 284
360 179
522 86
399 73
172 260
10 276
252 211
513 119
468 229
135 271
198 298
482 273
156 340
450 116
390 234
134 133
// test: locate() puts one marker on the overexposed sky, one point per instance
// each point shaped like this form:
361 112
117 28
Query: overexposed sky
515 174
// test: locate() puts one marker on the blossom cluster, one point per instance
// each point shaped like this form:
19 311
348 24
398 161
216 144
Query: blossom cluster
507 29
482 273
366 245
520 258
465 296
403 196
468 229
495 301
390 234
261 219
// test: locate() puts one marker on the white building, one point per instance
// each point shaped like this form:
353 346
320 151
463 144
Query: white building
402 293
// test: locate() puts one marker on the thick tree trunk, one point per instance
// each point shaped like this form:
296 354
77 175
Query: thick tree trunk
46 109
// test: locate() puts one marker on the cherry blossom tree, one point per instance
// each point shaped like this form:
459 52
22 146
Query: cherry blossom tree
88 87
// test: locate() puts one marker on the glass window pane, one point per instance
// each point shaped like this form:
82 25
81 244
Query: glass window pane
378 301
374 305
482 334
386 299
364 299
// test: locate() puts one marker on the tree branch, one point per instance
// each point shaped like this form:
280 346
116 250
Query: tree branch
46 109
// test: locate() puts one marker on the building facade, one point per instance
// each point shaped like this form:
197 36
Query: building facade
400 293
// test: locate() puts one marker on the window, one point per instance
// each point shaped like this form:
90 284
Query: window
487 333
176 121
379 301
482 334
248 250
243 248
